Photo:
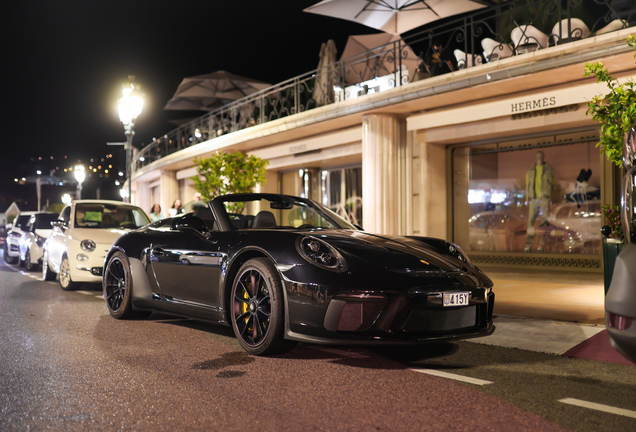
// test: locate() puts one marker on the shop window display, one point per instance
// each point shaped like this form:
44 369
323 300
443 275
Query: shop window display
544 199
341 191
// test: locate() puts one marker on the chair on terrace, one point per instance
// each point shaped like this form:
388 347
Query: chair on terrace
466 60
527 39
612 26
494 50
578 30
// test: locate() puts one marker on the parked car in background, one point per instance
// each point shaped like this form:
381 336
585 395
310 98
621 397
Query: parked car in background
3 235
12 244
35 233
620 301
81 237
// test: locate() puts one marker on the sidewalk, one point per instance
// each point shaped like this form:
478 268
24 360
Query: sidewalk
561 296
552 312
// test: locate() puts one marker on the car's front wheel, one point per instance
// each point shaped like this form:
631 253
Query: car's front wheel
9 259
117 286
257 311
47 273
28 265
66 282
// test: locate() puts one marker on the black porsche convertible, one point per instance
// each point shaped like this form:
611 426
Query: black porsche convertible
281 269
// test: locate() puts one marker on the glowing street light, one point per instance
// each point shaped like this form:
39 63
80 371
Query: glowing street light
66 199
130 106
80 176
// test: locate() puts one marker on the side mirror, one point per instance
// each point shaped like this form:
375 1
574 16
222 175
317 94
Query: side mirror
58 224
191 223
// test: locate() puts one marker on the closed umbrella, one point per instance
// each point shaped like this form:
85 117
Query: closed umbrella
209 91
393 16
323 92
382 59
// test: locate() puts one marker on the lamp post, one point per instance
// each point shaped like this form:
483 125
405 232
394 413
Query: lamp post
80 176
130 106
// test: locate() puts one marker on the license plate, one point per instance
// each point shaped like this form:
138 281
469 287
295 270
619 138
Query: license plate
456 299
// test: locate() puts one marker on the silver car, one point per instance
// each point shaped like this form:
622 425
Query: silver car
12 244
620 302
35 233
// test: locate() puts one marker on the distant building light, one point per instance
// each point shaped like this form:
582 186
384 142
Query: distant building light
142 158
39 172
121 174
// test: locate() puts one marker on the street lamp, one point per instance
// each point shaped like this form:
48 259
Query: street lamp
130 106
66 199
80 176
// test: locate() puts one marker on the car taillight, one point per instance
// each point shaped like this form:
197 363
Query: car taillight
618 322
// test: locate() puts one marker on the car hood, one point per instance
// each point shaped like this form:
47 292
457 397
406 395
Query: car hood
402 254
45 233
98 235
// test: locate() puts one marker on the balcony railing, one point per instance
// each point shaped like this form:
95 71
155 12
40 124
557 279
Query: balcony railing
509 29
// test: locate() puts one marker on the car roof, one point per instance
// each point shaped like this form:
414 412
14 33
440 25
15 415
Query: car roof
27 213
95 201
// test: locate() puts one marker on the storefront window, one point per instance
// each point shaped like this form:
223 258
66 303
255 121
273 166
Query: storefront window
341 191
542 199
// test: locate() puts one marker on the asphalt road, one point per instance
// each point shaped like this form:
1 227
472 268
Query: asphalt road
66 365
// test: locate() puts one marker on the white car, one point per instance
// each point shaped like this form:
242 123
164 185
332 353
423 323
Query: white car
35 233
82 236
12 245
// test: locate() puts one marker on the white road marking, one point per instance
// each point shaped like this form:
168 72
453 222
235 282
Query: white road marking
455 377
99 296
85 293
599 407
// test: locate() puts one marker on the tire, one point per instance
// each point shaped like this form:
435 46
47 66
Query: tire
20 261
117 285
66 283
28 265
8 259
47 273
258 319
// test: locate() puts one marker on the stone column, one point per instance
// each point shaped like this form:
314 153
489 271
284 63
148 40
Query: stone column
383 147
141 193
168 189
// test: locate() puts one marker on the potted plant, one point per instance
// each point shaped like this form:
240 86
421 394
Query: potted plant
616 111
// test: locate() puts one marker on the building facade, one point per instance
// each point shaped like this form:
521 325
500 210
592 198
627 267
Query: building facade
499 157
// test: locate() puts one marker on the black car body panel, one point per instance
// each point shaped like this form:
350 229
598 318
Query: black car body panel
390 291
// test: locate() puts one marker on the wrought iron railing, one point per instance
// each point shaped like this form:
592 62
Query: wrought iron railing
487 35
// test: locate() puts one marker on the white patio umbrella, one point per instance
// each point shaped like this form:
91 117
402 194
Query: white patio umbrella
212 90
393 16
379 62
323 92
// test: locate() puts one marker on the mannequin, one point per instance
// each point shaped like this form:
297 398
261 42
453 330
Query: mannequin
540 182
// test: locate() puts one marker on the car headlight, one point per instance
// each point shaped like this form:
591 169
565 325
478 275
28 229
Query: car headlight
88 245
321 254
15 235
458 253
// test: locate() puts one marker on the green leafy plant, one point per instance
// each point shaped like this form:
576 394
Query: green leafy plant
613 219
227 173
616 111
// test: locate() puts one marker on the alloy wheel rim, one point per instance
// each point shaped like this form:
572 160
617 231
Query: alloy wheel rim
252 307
115 284
65 277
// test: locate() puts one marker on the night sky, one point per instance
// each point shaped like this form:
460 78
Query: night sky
64 62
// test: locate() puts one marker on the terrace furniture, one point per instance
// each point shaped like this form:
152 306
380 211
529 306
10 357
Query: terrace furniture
527 39
577 30
494 50
466 60
612 26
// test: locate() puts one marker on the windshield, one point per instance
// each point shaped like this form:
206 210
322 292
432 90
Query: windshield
21 221
95 215
282 213
43 221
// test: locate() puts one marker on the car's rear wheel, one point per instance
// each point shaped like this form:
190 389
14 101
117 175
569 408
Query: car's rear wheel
9 259
66 282
257 308
28 265
47 273
117 285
